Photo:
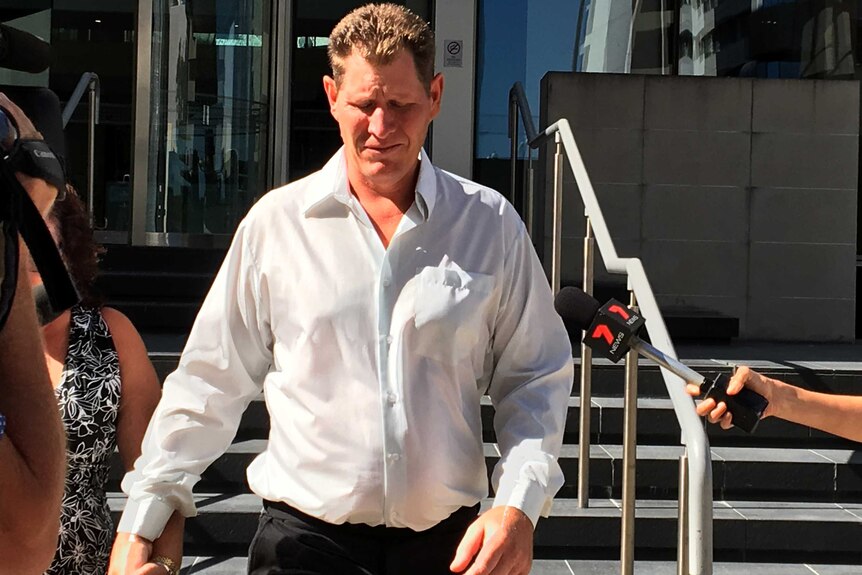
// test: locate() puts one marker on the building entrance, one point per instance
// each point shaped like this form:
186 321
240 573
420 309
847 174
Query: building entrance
202 106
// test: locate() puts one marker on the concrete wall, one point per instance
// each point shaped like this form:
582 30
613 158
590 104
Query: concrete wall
739 195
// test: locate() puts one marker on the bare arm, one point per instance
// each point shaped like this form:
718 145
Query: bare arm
140 395
32 453
836 414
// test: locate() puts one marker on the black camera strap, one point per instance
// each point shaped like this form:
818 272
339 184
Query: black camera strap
19 215
35 158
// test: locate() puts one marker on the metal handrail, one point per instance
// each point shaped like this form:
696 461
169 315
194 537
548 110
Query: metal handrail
89 82
699 486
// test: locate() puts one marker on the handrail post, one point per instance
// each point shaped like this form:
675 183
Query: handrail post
630 404
513 142
586 382
91 152
528 201
682 522
558 214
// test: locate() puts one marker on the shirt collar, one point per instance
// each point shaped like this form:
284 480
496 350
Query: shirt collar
334 187
330 186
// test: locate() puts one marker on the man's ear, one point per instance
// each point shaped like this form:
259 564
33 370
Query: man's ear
331 89
435 91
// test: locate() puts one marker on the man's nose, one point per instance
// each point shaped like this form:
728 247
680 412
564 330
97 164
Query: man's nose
381 123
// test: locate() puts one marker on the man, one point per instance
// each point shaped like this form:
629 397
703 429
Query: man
375 301
32 441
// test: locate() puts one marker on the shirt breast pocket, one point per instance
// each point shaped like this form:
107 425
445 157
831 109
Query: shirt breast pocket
450 311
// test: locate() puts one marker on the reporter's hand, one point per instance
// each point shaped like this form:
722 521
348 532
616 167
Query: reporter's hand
41 192
498 542
744 376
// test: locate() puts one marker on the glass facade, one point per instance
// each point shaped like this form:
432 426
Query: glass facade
209 114
217 77
521 40
88 36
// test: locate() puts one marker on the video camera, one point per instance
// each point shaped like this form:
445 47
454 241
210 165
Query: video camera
36 158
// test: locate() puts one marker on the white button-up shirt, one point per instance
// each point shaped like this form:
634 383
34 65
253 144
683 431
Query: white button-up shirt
372 361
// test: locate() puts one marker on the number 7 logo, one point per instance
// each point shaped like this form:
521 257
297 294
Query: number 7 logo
620 311
602 331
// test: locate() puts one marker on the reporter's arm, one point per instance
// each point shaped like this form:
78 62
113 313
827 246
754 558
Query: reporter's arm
836 414
32 452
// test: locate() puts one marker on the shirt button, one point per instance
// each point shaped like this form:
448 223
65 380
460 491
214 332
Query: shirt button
387 282
392 398
393 457
389 339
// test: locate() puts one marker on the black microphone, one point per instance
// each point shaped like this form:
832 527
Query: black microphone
612 329
23 51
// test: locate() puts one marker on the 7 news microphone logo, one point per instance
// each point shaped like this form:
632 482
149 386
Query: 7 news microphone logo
612 328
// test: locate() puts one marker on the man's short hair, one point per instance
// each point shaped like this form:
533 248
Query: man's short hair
378 33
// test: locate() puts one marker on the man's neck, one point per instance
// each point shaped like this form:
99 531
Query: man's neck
385 206
384 212
400 194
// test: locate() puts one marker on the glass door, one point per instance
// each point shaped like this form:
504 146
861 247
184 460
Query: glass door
209 114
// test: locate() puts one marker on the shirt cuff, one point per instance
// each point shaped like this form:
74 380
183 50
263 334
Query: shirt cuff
528 497
145 517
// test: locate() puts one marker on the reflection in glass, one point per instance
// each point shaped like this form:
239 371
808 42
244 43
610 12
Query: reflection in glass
88 37
759 38
774 38
521 40
209 114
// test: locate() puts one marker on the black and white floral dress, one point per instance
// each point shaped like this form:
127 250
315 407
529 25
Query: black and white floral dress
89 398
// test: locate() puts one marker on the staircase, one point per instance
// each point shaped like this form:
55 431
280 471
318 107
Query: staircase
787 500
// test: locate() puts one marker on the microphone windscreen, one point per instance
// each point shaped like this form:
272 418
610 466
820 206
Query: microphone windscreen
576 308
23 51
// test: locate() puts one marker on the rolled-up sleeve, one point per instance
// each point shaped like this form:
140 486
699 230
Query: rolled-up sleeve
530 386
221 370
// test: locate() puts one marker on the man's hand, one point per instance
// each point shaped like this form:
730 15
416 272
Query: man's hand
743 377
500 540
130 556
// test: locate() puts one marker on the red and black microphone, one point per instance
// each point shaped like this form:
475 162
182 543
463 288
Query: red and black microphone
611 330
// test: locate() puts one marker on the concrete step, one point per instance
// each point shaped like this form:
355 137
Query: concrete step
746 531
236 565
737 472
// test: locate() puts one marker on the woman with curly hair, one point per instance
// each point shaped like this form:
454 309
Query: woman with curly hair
107 390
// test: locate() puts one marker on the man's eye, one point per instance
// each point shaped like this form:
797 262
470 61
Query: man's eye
365 106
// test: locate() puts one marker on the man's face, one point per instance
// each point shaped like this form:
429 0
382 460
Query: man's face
383 113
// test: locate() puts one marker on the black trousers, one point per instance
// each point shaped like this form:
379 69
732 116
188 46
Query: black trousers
289 542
